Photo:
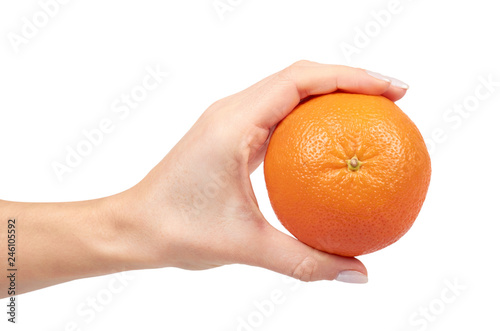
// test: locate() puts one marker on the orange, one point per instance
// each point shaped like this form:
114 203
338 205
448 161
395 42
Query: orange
347 173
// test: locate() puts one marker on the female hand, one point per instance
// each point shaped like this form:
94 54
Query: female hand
196 209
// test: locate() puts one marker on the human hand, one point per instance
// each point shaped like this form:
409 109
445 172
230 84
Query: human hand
197 208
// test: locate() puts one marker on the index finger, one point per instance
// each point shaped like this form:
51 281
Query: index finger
275 97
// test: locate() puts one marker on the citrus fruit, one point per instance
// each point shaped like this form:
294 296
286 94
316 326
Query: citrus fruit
347 173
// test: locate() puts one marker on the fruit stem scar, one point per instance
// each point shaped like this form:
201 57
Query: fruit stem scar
354 164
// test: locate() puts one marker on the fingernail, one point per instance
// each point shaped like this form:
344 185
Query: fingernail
352 276
378 76
398 83
394 81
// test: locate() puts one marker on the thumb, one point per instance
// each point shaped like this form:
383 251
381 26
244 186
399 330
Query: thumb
281 253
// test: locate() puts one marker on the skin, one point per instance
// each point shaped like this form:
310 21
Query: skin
196 209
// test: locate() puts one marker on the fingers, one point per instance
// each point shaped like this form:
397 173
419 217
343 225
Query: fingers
312 78
397 88
276 96
281 253
394 93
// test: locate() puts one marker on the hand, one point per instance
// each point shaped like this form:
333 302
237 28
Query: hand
196 208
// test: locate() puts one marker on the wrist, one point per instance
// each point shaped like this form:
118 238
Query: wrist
132 243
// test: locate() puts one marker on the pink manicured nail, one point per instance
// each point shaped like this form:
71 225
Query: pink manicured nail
352 276
398 83
394 81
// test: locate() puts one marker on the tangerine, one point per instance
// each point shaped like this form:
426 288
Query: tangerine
347 173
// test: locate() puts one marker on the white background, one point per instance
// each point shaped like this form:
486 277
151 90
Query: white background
64 80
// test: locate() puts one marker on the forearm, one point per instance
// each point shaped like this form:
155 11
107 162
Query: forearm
59 242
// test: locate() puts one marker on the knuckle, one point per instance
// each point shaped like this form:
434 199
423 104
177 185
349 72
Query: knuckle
301 63
221 103
306 269
292 69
